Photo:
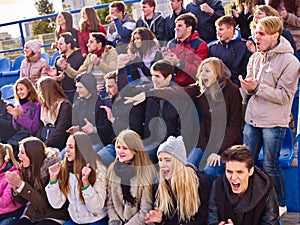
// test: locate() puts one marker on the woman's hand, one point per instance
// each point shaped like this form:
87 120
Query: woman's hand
283 13
54 171
13 179
85 172
229 222
73 129
213 160
154 216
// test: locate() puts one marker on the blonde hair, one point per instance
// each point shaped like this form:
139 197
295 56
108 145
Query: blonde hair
271 24
7 154
268 10
145 170
216 67
183 187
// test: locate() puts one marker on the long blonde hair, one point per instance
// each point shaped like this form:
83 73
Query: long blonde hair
183 188
141 161
7 154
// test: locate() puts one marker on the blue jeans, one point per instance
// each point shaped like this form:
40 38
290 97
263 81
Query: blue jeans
212 172
103 221
9 221
271 140
107 154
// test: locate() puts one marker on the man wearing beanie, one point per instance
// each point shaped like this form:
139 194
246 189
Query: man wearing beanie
83 112
181 185
33 66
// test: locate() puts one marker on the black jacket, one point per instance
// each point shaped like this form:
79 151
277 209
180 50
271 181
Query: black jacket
258 205
170 24
6 128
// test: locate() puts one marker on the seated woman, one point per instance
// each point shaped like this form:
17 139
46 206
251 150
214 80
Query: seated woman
129 181
10 210
143 51
26 112
182 193
29 187
80 180
56 113
33 66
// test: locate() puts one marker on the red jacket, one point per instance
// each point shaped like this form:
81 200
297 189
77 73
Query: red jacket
190 52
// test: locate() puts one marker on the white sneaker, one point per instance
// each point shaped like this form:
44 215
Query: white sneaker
282 210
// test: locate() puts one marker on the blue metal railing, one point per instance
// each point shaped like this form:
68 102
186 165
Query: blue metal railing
20 22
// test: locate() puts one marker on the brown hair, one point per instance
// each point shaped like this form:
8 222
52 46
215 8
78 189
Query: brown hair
189 20
289 5
148 40
227 20
93 24
32 94
151 3
119 5
69 24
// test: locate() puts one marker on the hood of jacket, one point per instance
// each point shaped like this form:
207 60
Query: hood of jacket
52 156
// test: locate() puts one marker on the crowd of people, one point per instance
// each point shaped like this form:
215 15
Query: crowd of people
198 93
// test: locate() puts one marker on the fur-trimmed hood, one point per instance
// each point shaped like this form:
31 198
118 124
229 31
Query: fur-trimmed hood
52 156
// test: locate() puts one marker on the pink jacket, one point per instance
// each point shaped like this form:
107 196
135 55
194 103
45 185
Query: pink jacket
7 202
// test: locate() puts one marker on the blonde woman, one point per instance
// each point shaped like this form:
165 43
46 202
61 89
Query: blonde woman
129 181
80 180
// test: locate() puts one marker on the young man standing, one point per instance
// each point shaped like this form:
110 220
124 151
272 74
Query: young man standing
151 19
271 82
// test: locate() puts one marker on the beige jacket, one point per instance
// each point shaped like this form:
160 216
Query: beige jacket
292 23
277 71
107 64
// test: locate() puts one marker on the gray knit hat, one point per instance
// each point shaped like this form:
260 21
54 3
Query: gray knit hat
35 45
175 147
89 82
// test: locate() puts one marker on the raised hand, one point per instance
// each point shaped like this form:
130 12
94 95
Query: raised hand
13 179
88 127
54 171
109 114
85 172
154 216
139 98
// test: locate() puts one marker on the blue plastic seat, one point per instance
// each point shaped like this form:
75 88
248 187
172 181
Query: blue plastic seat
286 153
8 93
46 56
11 76
54 56
5 65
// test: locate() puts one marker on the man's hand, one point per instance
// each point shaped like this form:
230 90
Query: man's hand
139 98
62 63
213 160
206 8
171 57
249 84
73 129
283 13
88 128
109 114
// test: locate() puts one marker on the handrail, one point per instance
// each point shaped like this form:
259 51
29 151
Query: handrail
73 11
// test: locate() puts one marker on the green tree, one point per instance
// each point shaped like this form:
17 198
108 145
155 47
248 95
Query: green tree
44 26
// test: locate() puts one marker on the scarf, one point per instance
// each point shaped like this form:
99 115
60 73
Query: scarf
23 101
125 172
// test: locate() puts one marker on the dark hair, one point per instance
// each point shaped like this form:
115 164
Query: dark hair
227 20
289 5
151 3
69 23
111 75
164 67
100 37
189 20
148 40
68 39
239 153
119 5
33 95
93 24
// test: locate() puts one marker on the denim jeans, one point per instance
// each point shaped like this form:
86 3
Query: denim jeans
271 140
212 172
103 221
9 221
107 154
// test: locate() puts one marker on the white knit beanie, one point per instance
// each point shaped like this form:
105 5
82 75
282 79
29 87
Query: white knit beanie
35 45
175 147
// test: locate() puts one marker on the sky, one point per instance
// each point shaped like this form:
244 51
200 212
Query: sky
13 10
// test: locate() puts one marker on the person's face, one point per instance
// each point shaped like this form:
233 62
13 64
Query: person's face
114 12
165 164
264 41
28 51
124 153
207 75
70 149
238 175
258 14
84 16
181 30
147 10
22 91
159 81
111 88
175 4
60 20
137 40
62 46
225 32
93 45
24 160
82 91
